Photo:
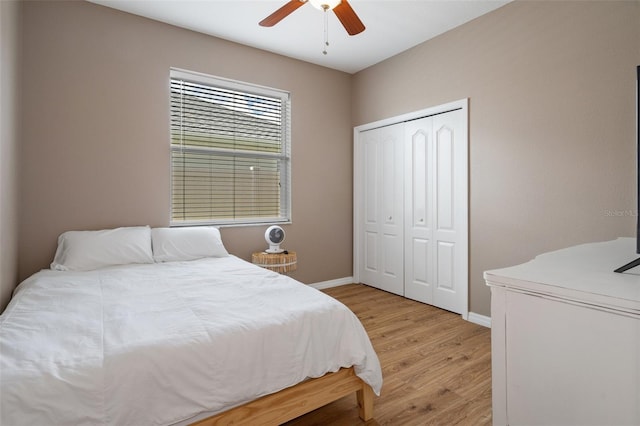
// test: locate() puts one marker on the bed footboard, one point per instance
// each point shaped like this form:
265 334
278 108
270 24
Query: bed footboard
297 400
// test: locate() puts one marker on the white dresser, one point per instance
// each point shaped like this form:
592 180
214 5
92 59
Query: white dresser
565 338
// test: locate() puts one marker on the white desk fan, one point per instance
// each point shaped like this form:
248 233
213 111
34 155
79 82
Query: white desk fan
274 235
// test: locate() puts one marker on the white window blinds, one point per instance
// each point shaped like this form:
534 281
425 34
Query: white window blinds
230 152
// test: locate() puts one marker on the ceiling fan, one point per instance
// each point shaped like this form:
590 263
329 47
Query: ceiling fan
341 8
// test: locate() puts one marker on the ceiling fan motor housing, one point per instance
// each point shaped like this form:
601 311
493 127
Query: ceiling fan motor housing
324 4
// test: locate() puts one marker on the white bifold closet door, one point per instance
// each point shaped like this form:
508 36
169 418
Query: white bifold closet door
383 239
413 209
435 221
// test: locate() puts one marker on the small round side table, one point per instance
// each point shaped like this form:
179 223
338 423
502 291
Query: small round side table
282 263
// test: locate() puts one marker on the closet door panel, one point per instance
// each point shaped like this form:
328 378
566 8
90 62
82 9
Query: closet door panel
372 158
370 257
450 233
419 268
419 175
419 169
392 184
392 263
371 252
444 177
381 259
445 256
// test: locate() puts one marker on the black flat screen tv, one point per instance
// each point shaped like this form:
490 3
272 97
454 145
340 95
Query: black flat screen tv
636 262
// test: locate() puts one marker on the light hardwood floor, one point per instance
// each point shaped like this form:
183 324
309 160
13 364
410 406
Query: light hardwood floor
436 366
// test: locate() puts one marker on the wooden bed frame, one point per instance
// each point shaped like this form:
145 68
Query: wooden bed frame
297 400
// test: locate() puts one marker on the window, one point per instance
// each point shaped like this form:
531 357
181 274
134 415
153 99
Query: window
230 152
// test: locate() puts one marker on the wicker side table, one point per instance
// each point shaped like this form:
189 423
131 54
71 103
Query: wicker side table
282 263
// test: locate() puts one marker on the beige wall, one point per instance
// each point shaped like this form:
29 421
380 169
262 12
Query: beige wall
96 132
551 122
551 127
9 125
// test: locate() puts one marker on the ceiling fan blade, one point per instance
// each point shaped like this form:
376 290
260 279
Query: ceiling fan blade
348 17
281 13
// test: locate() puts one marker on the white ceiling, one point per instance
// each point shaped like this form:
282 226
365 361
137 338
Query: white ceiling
392 26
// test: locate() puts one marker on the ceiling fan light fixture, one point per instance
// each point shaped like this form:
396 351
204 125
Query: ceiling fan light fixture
325 4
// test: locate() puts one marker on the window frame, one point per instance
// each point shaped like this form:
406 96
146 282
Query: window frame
284 156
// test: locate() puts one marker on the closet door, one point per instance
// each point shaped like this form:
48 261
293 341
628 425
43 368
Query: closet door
419 210
436 270
381 253
450 226
411 205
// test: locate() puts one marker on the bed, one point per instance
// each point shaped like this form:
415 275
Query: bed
180 333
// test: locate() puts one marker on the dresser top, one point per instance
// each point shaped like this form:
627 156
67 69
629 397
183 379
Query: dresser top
582 273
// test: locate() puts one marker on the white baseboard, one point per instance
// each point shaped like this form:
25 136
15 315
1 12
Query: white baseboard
479 319
332 283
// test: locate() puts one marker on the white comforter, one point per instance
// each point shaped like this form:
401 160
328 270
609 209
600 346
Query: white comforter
158 344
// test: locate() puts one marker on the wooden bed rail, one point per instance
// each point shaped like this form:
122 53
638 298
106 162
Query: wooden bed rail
297 400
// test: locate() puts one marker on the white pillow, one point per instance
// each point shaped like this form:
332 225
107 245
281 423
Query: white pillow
189 243
88 250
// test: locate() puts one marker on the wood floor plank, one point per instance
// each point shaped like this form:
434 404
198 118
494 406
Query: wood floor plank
436 366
